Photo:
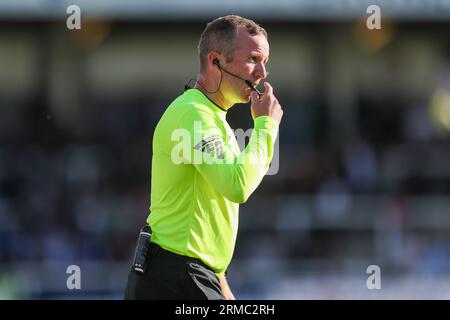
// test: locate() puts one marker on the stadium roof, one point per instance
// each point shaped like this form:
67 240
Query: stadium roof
162 10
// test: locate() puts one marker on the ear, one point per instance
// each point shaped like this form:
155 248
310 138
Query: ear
214 59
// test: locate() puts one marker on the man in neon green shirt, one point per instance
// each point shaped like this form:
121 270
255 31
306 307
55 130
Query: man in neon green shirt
199 175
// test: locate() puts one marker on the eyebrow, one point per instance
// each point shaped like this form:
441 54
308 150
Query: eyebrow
260 56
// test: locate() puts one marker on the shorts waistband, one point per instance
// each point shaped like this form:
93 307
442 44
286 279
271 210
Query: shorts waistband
157 251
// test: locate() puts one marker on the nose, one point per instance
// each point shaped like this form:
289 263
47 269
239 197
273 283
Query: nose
260 71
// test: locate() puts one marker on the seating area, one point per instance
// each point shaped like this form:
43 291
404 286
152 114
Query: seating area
363 158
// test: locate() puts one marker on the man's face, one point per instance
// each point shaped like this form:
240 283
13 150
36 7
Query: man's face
249 58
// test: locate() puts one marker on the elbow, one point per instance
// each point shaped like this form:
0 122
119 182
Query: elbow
242 187
239 195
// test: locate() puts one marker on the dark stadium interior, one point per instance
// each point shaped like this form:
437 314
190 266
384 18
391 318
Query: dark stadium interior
363 155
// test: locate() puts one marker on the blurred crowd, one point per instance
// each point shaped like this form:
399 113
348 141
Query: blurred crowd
379 193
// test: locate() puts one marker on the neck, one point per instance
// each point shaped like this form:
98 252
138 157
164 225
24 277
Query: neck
206 84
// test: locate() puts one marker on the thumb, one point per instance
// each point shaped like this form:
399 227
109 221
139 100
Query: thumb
269 89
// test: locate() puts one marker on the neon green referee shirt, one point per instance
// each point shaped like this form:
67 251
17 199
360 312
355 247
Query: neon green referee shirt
199 177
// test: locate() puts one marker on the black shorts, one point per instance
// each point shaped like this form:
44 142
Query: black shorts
170 276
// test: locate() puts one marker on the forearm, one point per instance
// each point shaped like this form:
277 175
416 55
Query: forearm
225 288
236 177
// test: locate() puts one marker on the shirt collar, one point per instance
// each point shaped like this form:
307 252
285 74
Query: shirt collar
211 103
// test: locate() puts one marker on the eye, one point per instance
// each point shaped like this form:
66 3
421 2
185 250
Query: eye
253 59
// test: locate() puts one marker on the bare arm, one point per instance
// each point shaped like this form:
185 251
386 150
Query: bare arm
225 288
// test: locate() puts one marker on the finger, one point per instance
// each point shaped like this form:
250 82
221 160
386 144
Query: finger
255 98
269 89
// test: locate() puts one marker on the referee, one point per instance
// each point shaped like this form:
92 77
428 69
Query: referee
199 175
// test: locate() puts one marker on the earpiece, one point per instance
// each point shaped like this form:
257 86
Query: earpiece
217 63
